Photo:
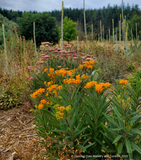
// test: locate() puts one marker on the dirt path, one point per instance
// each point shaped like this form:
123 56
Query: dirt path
17 134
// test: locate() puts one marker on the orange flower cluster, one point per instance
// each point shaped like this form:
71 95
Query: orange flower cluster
51 70
61 72
122 82
39 91
44 101
101 86
60 87
88 64
40 106
45 70
64 73
90 84
61 109
72 81
52 88
50 83
80 66
75 81
98 87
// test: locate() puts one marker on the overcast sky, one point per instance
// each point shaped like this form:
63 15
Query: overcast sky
49 5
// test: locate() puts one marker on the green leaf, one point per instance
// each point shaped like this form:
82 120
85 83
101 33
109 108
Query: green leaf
116 129
128 146
59 145
79 132
135 118
136 147
89 145
111 120
81 147
117 138
136 131
117 113
86 140
120 146
63 131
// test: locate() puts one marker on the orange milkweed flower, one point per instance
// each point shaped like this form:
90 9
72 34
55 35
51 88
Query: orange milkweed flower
60 87
80 66
45 70
40 106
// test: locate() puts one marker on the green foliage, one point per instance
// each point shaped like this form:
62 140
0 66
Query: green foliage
45 27
136 76
8 26
123 126
94 120
105 14
72 125
131 67
132 24
89 28
69 29
95 105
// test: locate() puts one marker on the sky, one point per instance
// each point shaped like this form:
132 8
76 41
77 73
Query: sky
49 5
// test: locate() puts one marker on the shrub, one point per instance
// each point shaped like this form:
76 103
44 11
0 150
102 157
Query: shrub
14 93
136 76
8 26
45 27
69 29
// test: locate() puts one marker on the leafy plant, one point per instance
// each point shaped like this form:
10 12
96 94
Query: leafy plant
69 29
45 27
123 123
136 77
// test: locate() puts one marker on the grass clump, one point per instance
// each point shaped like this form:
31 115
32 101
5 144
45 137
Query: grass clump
13 93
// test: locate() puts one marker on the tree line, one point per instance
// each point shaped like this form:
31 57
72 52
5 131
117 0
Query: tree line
93 16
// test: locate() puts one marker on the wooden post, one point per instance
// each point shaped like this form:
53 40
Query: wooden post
77 42
122 10
35 39
109 35
62 25
85 25
92 32
120 27
113 30
103 31
132 35
136 32
5 48
100 31
119 31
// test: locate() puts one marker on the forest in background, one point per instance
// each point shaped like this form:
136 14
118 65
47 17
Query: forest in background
93 16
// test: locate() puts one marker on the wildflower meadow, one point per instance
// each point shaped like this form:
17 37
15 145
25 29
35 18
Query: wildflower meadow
68 100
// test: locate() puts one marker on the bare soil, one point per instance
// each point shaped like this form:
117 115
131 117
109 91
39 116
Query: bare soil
18 138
